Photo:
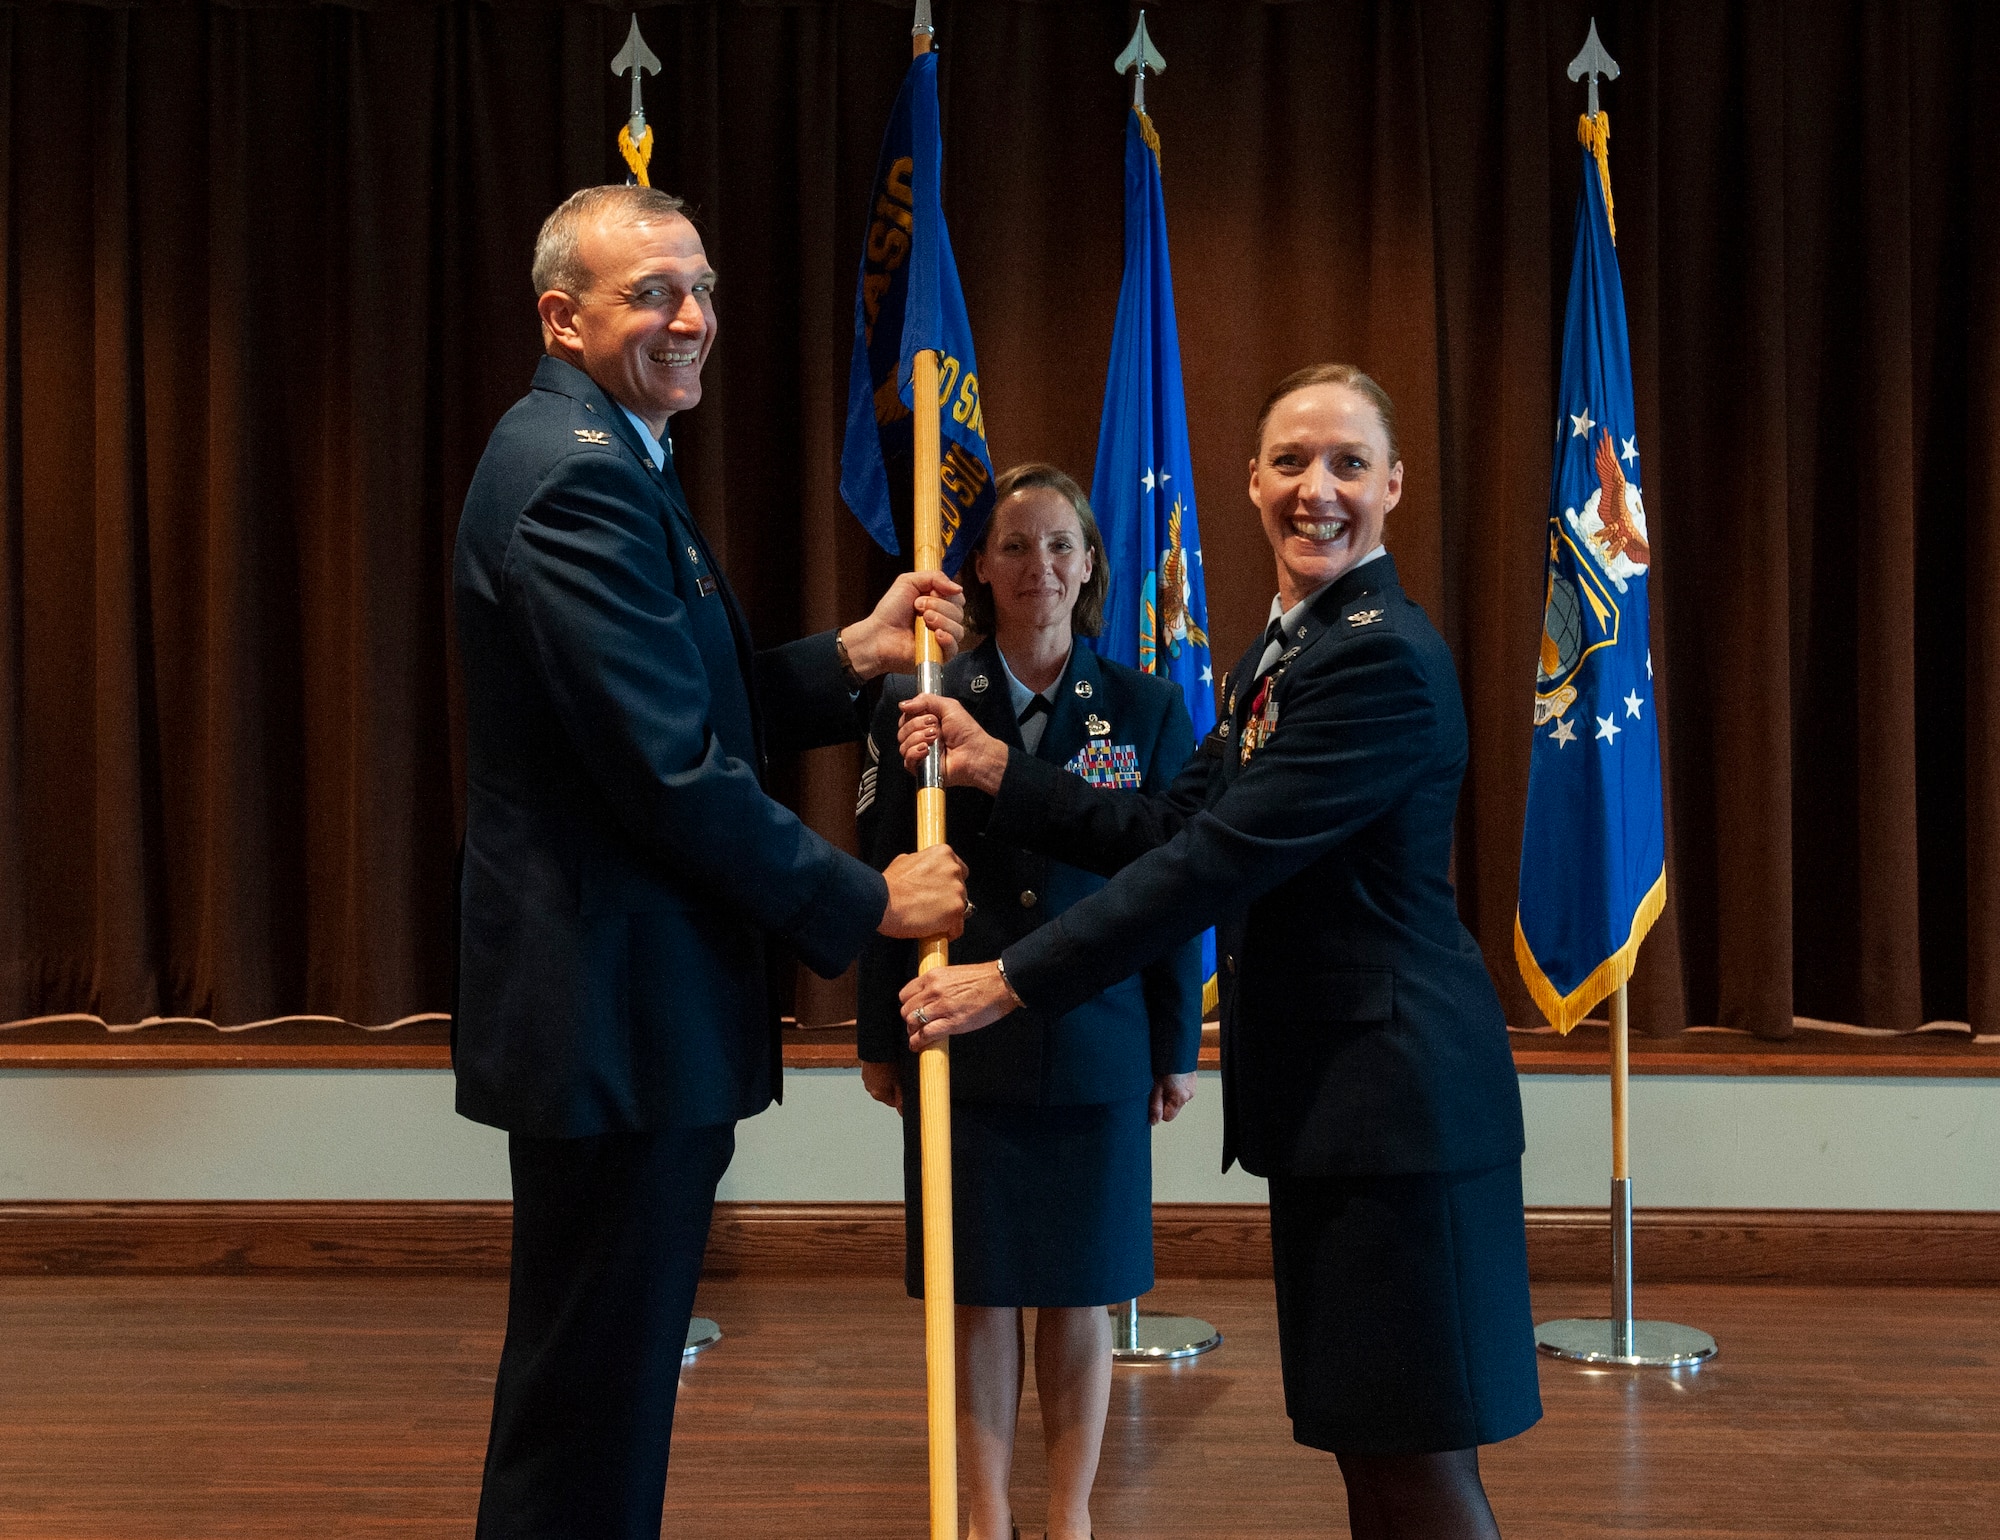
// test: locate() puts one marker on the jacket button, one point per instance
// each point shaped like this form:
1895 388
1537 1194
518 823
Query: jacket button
1028 898
1229 962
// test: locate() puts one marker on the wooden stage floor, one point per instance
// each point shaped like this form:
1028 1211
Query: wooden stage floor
222 1408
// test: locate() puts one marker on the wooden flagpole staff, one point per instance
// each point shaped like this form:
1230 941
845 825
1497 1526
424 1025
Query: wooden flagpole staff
934 1064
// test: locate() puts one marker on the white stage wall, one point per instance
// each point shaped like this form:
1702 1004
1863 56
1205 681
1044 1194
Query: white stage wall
1720 1142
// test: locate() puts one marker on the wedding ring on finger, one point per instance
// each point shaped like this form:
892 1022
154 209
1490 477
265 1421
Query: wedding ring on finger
922 1019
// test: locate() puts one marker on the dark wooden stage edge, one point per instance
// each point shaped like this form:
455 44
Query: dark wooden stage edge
1943 1050
1192 1240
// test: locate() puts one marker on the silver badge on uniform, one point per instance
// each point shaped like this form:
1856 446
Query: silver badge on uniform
978 684
1083 689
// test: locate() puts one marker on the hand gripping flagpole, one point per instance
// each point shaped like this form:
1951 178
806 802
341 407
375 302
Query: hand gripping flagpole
1620 1339
1144 1338
934 1064
635 143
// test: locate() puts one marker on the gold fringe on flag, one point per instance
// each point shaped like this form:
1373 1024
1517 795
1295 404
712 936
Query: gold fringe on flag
1594 134
638 156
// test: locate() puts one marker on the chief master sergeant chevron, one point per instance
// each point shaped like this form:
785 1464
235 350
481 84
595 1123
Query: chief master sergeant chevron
624 866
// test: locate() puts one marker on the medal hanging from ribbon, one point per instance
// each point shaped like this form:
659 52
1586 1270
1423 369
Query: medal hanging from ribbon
1263 719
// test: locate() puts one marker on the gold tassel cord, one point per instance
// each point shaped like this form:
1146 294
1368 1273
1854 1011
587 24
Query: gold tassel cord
637 156
1594 134
1148 133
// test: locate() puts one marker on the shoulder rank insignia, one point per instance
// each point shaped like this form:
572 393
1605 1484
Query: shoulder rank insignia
1365 617
593 435
1096 726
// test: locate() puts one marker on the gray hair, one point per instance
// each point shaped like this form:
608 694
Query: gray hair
557 265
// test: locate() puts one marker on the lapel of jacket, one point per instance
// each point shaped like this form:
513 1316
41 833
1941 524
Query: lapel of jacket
993 706
1240 685
1344 595
1066 731
680 522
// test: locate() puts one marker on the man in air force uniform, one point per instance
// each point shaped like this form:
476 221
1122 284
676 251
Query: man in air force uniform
624 865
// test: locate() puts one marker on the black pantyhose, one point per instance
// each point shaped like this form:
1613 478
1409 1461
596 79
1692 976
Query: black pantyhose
1417 1497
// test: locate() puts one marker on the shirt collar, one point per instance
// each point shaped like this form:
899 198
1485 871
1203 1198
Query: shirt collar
1019 693
1289 618
653 445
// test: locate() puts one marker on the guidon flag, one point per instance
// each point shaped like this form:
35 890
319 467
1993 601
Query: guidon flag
907 299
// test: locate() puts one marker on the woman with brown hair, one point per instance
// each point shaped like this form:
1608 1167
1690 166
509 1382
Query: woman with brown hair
1051 1154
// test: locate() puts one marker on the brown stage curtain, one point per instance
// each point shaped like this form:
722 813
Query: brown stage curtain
265 293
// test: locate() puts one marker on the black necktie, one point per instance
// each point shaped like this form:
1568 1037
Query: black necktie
1037 707
1274 636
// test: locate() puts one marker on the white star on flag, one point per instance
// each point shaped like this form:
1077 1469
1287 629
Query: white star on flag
1607 730
1630 452
1207 677
1583 424
1565 732
1632 704
1146 481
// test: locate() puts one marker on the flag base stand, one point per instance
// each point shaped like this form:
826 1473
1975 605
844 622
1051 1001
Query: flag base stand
1641 1344
1157 1339
1622 1340
702 1333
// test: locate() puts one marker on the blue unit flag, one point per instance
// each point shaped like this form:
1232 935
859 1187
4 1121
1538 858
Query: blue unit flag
907 299
1593 853
1156 613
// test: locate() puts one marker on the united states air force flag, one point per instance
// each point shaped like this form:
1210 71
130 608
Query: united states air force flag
907 299
1156 613
1593 855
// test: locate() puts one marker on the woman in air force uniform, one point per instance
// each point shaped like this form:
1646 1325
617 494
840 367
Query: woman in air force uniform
1051 1153
1366 1069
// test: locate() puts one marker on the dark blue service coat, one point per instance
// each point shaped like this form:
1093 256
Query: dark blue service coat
624 865
1112 1045
1360 1032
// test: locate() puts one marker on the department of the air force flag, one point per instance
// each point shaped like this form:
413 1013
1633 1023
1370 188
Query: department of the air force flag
907 299
1156 611
1156 614
1593 854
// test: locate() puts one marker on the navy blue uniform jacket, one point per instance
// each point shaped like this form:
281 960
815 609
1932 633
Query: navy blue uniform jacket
624 866
1116 1043
1360 1032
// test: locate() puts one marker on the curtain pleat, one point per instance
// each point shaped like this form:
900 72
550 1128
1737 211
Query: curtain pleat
266 293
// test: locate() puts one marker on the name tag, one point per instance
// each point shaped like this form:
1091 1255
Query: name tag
1109 766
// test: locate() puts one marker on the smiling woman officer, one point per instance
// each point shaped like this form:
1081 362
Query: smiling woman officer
1365 1063
1051 1152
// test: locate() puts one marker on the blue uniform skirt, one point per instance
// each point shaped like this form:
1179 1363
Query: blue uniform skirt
1051 1206
1403 1318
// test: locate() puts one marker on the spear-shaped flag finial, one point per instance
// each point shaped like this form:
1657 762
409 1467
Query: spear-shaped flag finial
635 139
1593 61
921 26
1139 56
